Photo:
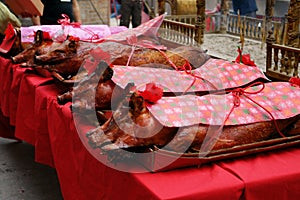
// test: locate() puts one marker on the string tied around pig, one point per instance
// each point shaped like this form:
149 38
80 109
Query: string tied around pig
237 94
65 21
187 68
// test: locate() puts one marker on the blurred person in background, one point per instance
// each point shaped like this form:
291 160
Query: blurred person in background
245 7
53 10
131 11
115 8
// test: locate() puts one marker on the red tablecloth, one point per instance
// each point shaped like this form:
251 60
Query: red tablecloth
41 121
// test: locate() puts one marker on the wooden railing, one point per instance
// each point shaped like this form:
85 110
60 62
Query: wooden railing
213 21
252 27
178 32
187 19
282 61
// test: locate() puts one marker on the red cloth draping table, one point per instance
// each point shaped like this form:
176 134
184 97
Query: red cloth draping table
41 121
89 178
6 74
43 153
273 175
26 120
18 74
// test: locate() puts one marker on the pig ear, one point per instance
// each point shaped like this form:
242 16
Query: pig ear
107 74
38 37
72 46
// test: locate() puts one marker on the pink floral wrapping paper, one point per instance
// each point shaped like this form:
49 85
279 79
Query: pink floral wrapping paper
85 32
280 98
221 73
149 28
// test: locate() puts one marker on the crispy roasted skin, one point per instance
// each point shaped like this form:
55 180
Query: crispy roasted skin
40 46
143 56
119 55
96 91
121 131
66 58
192 137
131 126
294 129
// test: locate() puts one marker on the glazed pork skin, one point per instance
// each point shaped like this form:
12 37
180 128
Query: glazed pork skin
95 91
143 56
229 137
40 46
132 126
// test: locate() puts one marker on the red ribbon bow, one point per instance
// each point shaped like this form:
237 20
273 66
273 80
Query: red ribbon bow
9 39
65 21
295 81
244 58
239 92
152 93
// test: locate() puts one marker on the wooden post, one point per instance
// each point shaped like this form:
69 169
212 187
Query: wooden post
200 21
293 21
269 12
270 40
268 30
161 7
224 14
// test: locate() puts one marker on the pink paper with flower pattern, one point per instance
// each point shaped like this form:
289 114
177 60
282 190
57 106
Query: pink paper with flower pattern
221 73
148 28
279 98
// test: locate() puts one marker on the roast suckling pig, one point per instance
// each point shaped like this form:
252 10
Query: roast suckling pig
230 136
40 46
294 129
142 56
119 55
131 125
122 131
94 91
76 51
67 58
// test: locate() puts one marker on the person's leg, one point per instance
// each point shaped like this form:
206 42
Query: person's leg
125 12
251 14
136 13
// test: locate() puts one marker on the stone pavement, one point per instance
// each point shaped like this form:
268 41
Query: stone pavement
21 178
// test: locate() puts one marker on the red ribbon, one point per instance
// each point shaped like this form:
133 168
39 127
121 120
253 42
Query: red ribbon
65 21
295 81
239 92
